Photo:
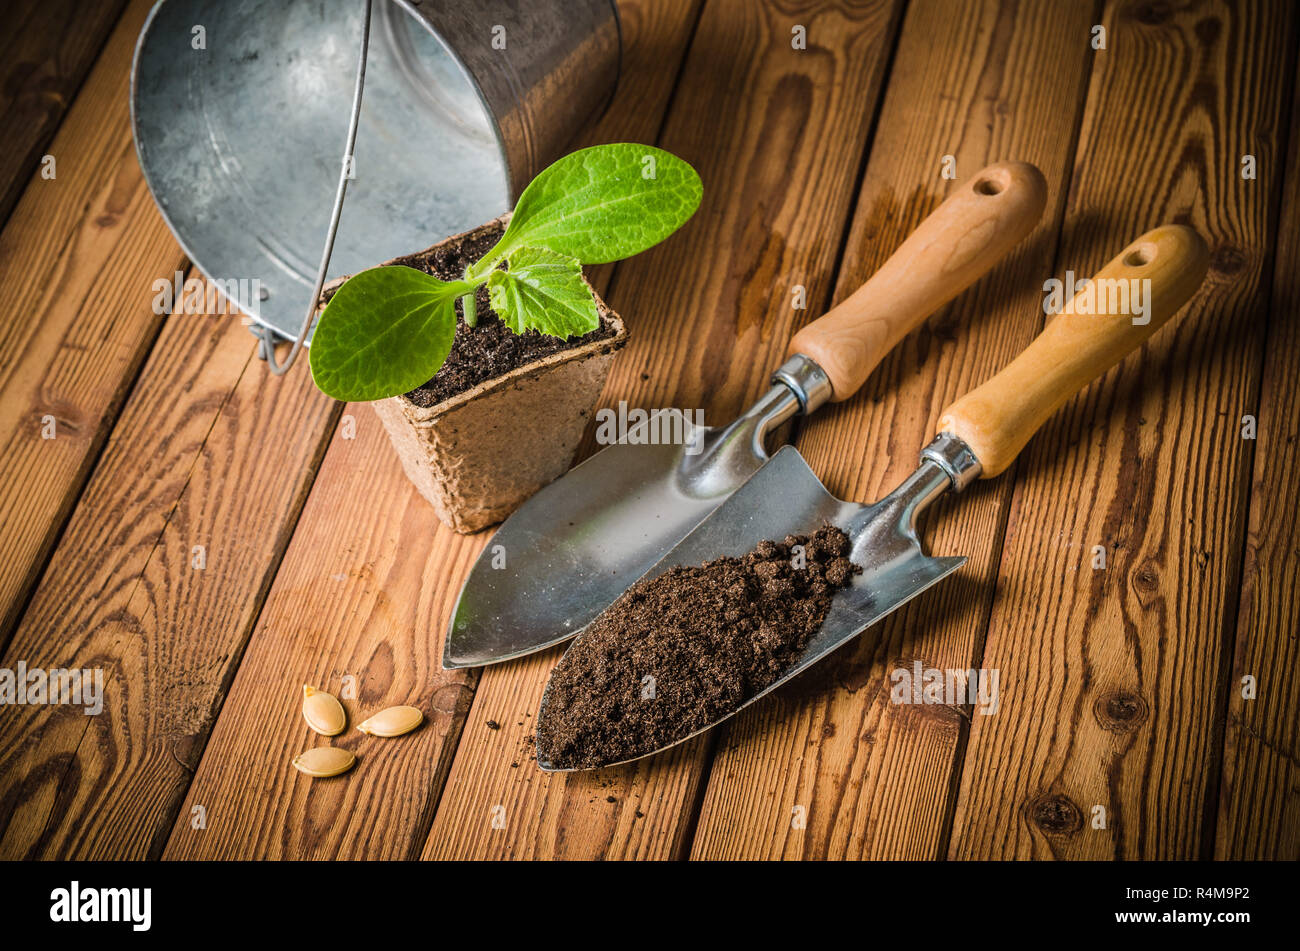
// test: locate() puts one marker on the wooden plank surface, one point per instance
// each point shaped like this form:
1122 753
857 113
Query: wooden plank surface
1259 806
1119 688
777 135
211 451
45 52
1112 680
366 590
368 571
77 259
830 767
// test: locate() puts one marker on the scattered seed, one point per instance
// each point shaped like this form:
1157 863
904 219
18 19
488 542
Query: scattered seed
324 761
392 722
323 712
493 725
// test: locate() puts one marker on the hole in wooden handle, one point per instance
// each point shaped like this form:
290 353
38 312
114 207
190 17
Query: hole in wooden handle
1141 255
988 186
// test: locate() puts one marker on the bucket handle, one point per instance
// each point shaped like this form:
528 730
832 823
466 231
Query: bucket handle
266 341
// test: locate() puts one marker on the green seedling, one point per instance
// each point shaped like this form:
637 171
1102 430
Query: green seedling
387 330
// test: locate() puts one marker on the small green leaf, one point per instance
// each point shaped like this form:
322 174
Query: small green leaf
543 291
601 204
384 332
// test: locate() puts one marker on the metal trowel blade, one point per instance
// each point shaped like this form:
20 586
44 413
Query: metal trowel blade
577 544
786 498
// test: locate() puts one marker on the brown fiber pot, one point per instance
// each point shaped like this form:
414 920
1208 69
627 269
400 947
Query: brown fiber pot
478 455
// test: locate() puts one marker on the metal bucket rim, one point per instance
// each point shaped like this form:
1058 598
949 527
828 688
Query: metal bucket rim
137 139
410 10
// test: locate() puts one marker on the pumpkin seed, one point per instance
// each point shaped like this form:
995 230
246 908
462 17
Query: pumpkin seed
392 722
324 761
323 712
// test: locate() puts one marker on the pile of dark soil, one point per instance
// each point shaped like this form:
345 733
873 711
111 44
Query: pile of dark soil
675 653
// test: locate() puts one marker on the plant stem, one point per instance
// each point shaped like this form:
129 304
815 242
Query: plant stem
468 304
469 308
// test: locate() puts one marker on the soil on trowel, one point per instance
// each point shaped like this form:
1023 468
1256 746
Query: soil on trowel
489 349
677 652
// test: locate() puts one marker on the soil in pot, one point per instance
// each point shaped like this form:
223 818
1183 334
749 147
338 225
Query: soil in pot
489 349
710 637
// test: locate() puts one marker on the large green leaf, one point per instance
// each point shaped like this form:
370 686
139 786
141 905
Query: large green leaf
601 204
543 291
386 331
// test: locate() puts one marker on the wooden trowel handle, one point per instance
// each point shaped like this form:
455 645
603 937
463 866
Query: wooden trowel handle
1093 332
961 240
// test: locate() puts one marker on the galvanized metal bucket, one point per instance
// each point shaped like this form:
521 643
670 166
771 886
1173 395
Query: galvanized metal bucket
240 110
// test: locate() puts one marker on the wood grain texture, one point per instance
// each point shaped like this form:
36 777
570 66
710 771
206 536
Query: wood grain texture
210 451
777 135
77 259
1118 687
1112 680
1259 805
359 594
45 52
865 777
366 589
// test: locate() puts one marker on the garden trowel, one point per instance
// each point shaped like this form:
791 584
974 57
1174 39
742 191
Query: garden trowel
573 548
979 436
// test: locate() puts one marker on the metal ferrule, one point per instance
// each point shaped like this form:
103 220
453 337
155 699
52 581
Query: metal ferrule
806 380
955 458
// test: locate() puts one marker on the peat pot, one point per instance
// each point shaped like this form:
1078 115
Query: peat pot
477 455
240 111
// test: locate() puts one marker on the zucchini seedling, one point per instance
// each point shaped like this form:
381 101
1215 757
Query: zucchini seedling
388 330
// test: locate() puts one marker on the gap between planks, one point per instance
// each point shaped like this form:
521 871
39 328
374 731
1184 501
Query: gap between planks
1258 810
398 572
1112 678
225 464
829 768
800 122
44 64
73 250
